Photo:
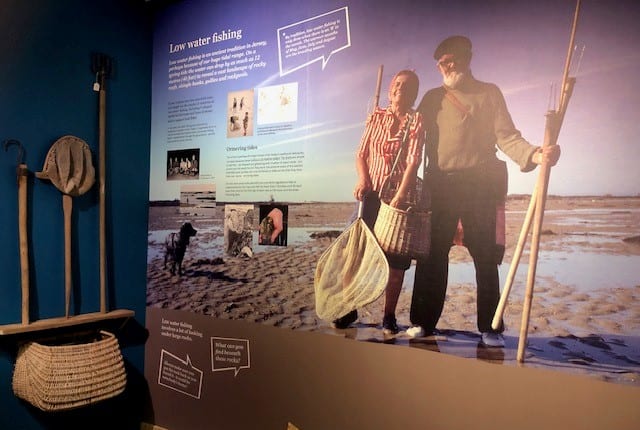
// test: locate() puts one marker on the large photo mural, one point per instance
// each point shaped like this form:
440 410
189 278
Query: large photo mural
265 116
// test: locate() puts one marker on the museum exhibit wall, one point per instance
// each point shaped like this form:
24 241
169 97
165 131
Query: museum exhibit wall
260 107
187 367
46 92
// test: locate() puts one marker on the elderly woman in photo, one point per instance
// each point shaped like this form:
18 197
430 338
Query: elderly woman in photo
380 143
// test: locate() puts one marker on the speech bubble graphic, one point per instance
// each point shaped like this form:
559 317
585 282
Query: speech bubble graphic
179 375
313 39
229 354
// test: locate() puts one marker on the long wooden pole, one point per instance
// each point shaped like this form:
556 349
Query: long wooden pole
22 176
67 208
515 261
376 97
376 102
23 239
552 130
541 193
567 88
101 66
102 168
565 92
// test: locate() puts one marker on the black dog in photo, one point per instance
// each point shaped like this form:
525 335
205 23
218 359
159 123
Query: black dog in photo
176 246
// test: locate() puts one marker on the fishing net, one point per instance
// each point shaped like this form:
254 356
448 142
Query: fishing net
351 273
69 167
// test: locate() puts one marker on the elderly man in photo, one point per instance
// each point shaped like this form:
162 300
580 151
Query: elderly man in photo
466 121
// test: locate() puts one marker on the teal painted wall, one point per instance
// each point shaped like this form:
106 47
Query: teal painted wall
45 93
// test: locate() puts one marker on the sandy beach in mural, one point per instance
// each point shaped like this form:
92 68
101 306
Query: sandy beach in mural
585 316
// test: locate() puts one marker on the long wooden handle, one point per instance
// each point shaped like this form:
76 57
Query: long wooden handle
102 175
376 97
565 91
515 261
551 130
24 245
67 207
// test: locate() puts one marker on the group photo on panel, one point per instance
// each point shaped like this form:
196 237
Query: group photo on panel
455 133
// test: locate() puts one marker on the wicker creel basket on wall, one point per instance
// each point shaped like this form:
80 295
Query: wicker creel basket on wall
62 377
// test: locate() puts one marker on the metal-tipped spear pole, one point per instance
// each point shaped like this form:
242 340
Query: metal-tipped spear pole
101 67
552 130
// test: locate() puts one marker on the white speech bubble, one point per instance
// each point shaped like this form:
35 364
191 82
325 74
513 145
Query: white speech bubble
229 354
304 39
180 376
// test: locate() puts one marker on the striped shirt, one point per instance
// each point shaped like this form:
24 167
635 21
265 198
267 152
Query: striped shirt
379 148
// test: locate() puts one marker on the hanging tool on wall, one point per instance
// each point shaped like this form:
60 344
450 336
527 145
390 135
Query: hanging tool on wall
22 175
69 167
101 66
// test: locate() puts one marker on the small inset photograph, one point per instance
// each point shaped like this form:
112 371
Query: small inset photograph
198 199
278 103
273 225
238 229
183 164
240 113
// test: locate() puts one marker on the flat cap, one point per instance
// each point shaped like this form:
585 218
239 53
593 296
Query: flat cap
456 45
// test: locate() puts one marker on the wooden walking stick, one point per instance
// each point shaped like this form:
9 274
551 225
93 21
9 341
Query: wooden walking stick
552 130
101 67
22 174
